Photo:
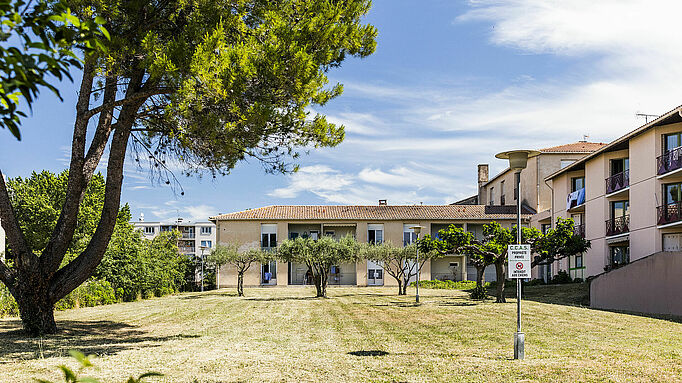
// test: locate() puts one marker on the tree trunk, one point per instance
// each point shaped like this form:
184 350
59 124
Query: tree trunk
406 284
35 308
240 284
499 272
400 288
480 271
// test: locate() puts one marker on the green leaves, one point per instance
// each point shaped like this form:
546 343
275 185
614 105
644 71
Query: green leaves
44 35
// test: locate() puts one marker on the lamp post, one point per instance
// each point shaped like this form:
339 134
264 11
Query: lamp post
417 230
203 248
518 160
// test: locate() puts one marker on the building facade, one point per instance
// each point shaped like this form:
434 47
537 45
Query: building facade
267 226
626 197
194 236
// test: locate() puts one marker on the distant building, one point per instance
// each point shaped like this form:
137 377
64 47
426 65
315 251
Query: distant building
194 235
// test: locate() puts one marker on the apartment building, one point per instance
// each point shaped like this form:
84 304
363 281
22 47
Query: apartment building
536 194
265 227
194 235
626 197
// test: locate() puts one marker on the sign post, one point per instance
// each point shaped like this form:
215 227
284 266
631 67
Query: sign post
518 268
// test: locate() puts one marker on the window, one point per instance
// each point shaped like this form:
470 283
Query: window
375 233
672 141
579 261
565 163
620 209
207 244
268 235
502 193
329 233
620 165
673 193
293 235
409 236
545 227
491 199
206 230
149 230
620 255
314 234
577 183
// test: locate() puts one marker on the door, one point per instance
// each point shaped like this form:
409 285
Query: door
269 273
375 274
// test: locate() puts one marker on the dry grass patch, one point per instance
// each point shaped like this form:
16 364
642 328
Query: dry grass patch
358 334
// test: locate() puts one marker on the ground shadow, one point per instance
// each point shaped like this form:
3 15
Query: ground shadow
572 294
281 299
89 337
368 353
208 295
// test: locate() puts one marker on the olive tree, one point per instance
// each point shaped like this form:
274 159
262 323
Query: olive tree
400 262
319 255
241 259
198 85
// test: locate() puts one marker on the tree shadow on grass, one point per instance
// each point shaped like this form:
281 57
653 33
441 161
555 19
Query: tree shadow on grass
89 337
280 299
208 295
368 353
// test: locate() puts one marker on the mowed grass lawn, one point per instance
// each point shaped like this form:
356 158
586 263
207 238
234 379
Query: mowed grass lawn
282 334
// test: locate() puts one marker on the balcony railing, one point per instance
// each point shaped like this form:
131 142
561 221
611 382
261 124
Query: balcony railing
579 230
669 161
186 250
618 181
617 225
670 213
187 235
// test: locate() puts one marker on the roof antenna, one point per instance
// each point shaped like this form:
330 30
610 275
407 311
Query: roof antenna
585 137
646 116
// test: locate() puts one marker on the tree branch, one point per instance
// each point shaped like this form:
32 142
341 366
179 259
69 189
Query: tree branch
134 99
15 237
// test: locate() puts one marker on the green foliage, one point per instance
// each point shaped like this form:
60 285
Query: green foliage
559 242
446 285
400 262
319 255
479 293
38 200
38 39
8 306
141 268
85 362
89 294
561 277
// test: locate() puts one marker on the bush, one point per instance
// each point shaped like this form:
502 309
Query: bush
479 293
449 285
561 277
91 293
534 282
8 306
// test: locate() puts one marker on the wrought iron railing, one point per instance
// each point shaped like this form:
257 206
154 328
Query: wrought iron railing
187 235
617 225
579 230
669 161
669 213
618 181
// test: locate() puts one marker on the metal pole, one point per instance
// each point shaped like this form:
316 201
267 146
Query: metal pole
202 270
418 270
519 337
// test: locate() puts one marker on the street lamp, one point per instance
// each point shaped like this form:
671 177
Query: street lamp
202 248
417 229
518 160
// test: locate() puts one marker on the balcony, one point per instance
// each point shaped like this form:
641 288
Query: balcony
186 250
669 162
670 213
575 202
617 225
187 235
618 182
579 230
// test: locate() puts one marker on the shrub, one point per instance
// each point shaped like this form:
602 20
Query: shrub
449 285
8 306
561 277
479 293
91 293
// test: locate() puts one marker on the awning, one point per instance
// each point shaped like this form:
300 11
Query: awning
339 224
619 239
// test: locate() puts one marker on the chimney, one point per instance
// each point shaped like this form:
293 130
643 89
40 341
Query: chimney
141 217
383 202
482 179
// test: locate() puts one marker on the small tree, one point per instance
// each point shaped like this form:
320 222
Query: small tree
560 242
319 255
399 262
241 260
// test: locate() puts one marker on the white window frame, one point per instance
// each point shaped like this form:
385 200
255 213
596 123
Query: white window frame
378 228
206 230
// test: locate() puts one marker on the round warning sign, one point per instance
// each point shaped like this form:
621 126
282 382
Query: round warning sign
519 265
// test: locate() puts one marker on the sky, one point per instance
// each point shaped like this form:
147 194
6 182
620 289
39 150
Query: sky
451 84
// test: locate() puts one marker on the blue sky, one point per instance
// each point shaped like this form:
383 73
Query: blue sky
451 84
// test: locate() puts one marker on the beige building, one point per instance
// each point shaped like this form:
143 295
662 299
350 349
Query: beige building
265 227
626 197
536 194
194 236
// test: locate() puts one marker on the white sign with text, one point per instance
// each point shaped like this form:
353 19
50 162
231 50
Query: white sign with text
518 266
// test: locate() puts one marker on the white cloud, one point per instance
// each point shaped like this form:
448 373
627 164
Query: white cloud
318 179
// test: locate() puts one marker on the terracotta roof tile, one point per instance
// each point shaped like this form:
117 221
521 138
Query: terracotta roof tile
576 147
343 212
